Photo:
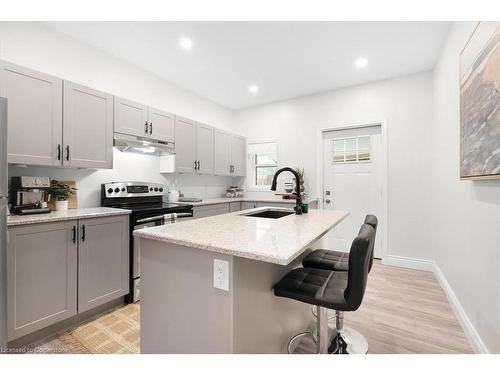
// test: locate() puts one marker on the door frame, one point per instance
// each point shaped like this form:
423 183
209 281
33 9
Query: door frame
384 180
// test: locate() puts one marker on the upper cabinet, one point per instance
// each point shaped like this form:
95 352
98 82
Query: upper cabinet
87 127
136 119
194 147
131 118
34 115
229 154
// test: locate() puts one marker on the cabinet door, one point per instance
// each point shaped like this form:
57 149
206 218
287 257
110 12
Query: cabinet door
222 153
130 118
34 115
248 205
210 210
87 127
205 148
41 276
234 206
103 260
161 125
238 155
185 149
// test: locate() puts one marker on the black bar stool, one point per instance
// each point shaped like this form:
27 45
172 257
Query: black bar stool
334 260
339 291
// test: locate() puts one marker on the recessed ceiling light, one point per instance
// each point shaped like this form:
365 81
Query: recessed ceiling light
185 43
361 62
254 89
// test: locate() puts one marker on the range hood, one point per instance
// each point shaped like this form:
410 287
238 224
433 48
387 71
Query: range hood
142 145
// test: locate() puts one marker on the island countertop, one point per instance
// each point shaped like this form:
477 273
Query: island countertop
277 241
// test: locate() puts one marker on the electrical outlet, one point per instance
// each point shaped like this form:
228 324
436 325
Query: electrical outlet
221 274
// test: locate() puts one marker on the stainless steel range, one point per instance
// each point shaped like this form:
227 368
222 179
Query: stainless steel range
145 200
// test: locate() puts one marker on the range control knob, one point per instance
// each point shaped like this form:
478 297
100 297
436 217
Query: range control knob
156 189
117 190
123 189
161 189
110 190
150 189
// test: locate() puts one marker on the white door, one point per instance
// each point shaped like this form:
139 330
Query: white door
34 115
131 118
222 153
205 149
185 149
352 182
87 127
161 124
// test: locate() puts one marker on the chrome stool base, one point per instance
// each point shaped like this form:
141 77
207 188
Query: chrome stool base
349 341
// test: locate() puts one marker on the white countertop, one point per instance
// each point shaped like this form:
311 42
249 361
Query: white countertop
209 201
277 241
71 214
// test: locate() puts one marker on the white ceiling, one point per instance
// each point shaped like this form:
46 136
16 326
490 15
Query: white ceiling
285 59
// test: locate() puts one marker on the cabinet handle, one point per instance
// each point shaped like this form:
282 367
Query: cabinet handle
198 165
194 165
146 127
74 234
67 152
151 128
59 152
83 233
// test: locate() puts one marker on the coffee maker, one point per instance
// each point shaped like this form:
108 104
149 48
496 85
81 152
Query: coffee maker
29 195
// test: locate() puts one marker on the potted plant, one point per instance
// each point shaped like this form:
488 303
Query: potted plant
300 172
61 192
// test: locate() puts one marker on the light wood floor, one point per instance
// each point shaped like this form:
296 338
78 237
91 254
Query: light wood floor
403 311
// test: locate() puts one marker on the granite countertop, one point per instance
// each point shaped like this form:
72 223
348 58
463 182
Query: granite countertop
277 241
209 201
71 214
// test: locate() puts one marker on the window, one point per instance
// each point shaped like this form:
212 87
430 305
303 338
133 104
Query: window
351 149
263 163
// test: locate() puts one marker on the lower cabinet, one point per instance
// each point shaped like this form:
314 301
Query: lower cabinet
103 259
210 210
248 205
41 276
234 206
57 270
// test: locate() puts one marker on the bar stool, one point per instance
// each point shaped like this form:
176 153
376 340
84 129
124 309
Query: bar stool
339 291
334 260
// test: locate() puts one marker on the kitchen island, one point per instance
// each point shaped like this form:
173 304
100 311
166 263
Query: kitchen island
191 303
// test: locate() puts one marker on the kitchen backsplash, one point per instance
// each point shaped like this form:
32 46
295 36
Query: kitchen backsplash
129 167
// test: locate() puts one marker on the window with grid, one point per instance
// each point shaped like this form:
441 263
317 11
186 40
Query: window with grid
351 149
263 162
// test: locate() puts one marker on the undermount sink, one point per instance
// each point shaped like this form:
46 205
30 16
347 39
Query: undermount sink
270 213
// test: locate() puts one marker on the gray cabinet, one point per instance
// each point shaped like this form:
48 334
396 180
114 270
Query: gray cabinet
210 210
234 206
103 260
222 153
194 147
41 276
87 127
248 205
130 117
185 149
204 149
238 155
161 125
34 115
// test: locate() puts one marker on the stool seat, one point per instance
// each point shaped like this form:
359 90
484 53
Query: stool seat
327 259
315 286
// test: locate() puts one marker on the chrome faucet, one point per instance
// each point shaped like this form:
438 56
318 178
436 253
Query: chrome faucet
298 205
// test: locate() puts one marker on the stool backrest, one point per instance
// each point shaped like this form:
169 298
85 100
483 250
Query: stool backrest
373 221
359 264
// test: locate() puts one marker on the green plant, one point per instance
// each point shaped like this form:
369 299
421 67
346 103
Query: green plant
60 191
300 172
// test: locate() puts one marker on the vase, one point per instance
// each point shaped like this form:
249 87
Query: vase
62 206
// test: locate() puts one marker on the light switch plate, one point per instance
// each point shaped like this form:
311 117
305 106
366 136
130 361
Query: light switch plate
221 274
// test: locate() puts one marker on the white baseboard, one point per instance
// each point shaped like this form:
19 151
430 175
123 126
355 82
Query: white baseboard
431 266
469 330
405 262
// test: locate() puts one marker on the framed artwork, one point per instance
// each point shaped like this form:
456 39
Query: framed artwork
480 103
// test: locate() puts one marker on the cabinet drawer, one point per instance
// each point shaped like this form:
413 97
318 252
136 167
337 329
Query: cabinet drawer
210 210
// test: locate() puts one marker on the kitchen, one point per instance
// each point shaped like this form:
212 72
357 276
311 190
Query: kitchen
169 208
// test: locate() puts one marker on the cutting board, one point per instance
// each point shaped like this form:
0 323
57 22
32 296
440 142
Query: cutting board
73 199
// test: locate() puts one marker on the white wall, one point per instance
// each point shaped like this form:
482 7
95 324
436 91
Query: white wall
404 103
36 46
465 217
